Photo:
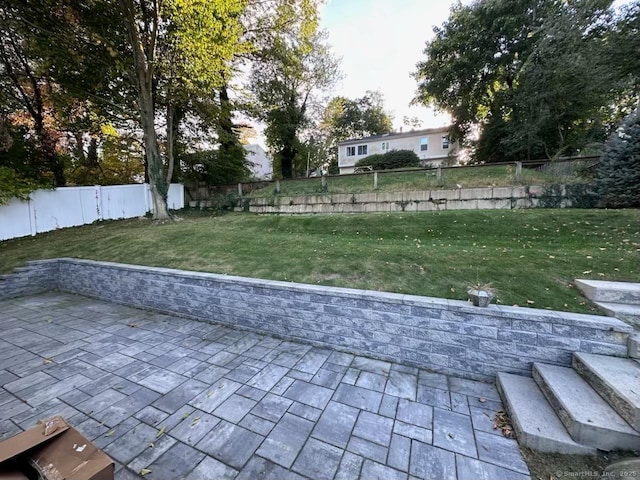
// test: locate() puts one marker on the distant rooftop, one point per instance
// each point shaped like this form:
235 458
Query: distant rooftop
410 133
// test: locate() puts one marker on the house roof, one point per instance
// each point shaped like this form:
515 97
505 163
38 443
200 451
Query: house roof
411 133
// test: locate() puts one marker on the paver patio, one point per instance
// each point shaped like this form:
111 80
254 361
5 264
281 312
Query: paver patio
193 400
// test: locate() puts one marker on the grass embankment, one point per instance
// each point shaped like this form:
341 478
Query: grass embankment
465 177
530 256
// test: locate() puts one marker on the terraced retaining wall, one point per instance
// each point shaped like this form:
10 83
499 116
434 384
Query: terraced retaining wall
549 196
446 336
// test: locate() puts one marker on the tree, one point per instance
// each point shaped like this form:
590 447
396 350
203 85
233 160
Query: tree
199 39
22 84
344 118
621 51
618 180
533 75
291 68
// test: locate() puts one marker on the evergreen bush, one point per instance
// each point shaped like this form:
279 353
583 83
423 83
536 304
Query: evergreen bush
391 160
618 179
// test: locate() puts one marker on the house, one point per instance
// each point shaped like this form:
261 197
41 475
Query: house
262 165
431 145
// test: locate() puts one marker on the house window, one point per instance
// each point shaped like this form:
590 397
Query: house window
362 149
385 146
424 144
351 151
445 142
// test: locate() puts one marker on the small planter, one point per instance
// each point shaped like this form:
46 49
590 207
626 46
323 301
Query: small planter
480 298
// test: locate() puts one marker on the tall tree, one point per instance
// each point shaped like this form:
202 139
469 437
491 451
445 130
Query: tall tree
345 118
532 75
201 37
291 68
25 85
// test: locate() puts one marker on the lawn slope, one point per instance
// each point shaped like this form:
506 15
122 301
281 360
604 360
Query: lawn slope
530 256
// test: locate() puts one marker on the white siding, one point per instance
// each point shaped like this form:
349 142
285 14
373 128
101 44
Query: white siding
434 155
262 165
48 210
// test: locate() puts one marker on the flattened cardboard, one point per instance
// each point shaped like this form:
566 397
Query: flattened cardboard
41 433
13 475
71 457
57 451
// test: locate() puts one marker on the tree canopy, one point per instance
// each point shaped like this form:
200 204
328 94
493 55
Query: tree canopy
111 91
345 118
538 77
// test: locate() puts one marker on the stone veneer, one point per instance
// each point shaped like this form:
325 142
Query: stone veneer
447 336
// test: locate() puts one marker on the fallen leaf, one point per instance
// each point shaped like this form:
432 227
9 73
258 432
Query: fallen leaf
151 445
530 302
503 422
47 360
160 432
184 417
145 471
109 433
451 435
195 421
132 325
482 400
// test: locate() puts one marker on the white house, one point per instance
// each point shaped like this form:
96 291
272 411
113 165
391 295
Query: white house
431 145
262 168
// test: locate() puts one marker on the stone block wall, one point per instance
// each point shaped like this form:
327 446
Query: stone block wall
515 197
446 336
35 277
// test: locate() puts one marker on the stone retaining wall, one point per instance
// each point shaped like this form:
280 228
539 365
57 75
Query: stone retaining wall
419 201
446 336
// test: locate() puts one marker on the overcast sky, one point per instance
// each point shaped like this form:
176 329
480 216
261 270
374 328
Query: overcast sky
380 42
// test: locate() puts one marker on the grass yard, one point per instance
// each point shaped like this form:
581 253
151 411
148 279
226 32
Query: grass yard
466 177
530 256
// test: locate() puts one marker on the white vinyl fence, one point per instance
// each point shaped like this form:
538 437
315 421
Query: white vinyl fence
48 210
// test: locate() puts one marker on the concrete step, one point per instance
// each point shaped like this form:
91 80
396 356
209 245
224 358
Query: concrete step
617 380
589 419
534 421
626 312
633 345
611 292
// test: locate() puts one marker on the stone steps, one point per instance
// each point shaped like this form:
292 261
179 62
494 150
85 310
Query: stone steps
617 380
588 418
610 292
536 424
626 312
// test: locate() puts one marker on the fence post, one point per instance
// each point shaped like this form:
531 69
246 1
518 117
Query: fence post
375 180
98 195
239 189
323 179
439 175
518 171
277 186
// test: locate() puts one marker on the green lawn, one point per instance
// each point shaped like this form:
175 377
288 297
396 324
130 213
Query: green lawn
389 181
530 256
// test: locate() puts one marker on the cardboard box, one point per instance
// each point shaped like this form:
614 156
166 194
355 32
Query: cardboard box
53 450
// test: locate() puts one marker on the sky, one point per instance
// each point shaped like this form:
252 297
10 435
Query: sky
380 42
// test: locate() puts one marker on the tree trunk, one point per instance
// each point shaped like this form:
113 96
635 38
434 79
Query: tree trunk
286 162
143 56
171 127
52 159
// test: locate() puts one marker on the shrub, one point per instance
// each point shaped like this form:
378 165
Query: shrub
618 179
390 160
